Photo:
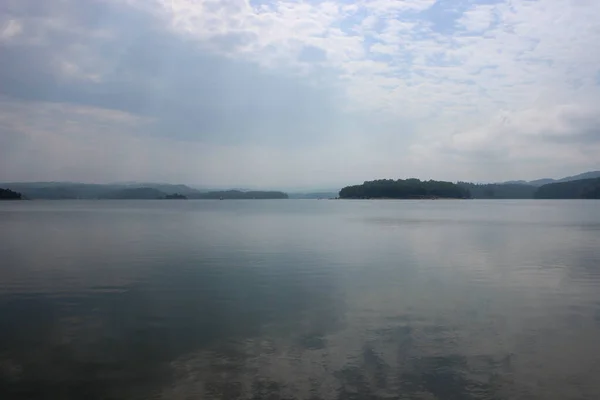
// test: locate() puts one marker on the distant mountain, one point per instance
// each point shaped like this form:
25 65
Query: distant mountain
314 195
517 189
145 193
142 193
512 183
69 190
540 182
175 196
585 175
499 190
545 181
573 189
240 195
58 190
168 188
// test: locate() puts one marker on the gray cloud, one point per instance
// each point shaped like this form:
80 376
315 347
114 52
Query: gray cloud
147 70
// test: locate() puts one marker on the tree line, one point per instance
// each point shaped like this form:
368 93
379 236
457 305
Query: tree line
415 189
588 188
579 189
404 189
499 190
7 194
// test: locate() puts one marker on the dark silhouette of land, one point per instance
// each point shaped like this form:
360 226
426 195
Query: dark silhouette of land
499 190
545 181
134 194
86 191
581 186
155 194
579 189
240 195
404 189
7 194
175 196
314 195
572 187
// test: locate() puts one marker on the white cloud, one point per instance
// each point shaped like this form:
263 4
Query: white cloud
478 18
532 47
10 29
383 48
392 7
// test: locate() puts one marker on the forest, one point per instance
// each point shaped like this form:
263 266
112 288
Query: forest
499 190
404 189
7 194
579 189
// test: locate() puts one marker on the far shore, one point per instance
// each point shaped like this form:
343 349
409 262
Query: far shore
400 198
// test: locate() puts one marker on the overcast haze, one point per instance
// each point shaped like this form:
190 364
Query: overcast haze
298 94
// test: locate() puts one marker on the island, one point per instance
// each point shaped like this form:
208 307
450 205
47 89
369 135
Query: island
7 194
405 189
175 196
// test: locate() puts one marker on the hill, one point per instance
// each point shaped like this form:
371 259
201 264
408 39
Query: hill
240 195
175 196
545 181
540 182
499 190
135 194
577 189
69 190
404 189
168 188
585 175
313 195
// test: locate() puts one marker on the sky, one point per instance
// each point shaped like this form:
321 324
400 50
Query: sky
282 94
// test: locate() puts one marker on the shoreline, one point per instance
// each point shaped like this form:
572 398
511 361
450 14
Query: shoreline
401 198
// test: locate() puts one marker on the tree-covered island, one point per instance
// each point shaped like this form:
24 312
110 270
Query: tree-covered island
405 189
7 194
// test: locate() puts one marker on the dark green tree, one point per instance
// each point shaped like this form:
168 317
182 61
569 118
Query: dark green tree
7 194
579 189
404 189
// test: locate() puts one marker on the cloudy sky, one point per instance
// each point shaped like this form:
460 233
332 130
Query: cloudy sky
298 93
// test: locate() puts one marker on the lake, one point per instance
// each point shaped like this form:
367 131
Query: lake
300 299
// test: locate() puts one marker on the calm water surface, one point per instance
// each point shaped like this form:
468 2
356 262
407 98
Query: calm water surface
300 299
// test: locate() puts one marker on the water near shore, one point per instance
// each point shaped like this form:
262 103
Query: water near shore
300 299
